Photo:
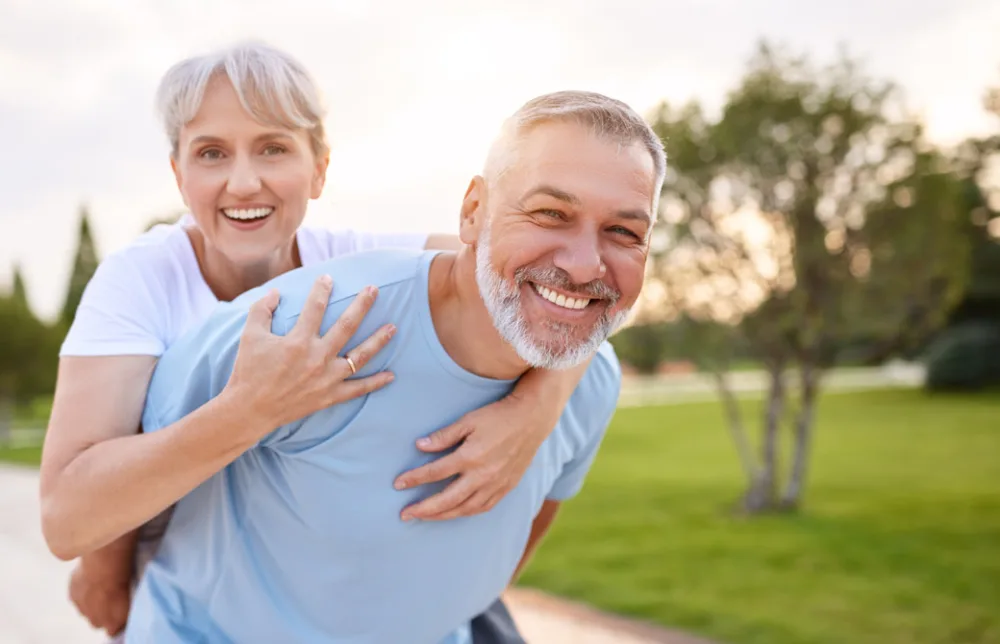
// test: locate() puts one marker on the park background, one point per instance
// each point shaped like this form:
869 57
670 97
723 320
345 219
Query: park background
807 448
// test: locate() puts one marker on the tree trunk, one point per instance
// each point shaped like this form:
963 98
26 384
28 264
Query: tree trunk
763 490
792 496
736 428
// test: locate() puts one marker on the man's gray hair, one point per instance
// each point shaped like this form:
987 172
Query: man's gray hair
607 117
274 88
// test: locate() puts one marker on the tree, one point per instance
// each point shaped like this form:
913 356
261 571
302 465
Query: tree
19 292
809 213
84 266
24 357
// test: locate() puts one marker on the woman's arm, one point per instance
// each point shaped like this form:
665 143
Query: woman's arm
498 443
101 480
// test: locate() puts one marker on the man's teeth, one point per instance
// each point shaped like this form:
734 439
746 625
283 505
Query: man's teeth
561 300
247 213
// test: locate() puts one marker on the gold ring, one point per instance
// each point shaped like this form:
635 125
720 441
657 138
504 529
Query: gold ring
350 363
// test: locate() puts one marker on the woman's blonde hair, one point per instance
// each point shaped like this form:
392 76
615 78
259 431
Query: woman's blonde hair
273 87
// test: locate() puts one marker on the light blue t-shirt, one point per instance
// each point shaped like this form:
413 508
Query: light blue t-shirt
299 539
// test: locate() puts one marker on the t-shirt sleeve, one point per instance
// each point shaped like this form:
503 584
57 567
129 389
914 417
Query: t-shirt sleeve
195 369
117 313
597 399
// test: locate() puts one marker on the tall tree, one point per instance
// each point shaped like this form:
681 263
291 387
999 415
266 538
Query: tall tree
19 292
84 266
809 213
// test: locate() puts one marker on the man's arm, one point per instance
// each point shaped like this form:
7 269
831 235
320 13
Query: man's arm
539 528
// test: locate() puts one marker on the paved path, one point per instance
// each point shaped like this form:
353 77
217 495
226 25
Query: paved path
34 608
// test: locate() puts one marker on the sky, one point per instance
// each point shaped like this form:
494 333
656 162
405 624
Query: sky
415 91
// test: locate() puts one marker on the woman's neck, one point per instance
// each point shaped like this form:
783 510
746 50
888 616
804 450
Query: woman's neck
227 279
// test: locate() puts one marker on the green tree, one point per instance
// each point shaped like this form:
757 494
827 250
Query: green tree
19 292
809 213
84 265
26 357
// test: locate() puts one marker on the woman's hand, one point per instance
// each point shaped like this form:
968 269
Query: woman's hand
284 378
498 444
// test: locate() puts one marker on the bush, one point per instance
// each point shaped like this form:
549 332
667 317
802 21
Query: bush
965 356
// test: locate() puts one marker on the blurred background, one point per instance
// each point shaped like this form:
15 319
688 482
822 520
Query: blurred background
807 447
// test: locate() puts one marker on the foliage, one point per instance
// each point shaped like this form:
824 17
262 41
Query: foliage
809 214
899 545
965 356
84 266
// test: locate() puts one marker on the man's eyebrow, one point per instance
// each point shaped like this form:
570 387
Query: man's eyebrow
553 192
637 215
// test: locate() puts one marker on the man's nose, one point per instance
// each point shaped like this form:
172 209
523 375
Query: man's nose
580 257
243 179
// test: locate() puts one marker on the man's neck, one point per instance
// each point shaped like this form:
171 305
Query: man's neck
463 324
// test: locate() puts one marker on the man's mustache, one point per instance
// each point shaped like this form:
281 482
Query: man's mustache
557 278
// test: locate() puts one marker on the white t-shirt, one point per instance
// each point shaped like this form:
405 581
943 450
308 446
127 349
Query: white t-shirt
145 296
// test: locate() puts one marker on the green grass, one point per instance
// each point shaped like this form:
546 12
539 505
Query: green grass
23 455
899 541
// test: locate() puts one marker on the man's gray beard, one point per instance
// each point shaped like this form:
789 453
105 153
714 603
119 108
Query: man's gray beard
503 301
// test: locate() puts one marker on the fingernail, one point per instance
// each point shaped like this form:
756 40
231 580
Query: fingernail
327 280
400 485
392 330
371 290
407 516
423 442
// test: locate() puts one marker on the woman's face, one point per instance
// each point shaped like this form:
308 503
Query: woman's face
246 184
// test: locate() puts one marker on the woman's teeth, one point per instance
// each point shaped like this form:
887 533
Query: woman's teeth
561 300
244 214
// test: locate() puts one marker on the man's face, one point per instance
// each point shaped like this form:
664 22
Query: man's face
561 241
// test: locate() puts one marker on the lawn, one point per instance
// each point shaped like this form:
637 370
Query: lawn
899 542
24 455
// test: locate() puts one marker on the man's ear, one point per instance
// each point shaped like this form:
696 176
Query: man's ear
473 211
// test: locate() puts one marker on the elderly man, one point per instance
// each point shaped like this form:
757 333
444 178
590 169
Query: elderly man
299 539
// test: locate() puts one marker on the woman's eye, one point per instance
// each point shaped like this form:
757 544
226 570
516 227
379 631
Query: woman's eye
271 150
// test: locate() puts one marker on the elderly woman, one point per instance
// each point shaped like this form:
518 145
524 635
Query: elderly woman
248 152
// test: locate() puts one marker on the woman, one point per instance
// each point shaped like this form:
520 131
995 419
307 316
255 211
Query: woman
248 152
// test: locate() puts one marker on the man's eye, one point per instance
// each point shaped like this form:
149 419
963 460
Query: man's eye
554 214
210 154
621 230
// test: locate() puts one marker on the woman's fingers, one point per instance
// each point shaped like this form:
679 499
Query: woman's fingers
261 311
361 354
313 310
347 324
444 501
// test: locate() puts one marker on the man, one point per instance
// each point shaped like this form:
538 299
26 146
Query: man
556 236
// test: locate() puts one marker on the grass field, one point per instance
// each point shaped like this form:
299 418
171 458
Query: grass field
24 455
899 542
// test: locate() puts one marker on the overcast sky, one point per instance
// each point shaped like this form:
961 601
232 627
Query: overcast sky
415 91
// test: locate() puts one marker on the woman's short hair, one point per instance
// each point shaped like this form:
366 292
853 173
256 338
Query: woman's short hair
273 87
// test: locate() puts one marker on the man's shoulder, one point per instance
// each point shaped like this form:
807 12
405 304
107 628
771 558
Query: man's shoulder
596 397
351 274
594 401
